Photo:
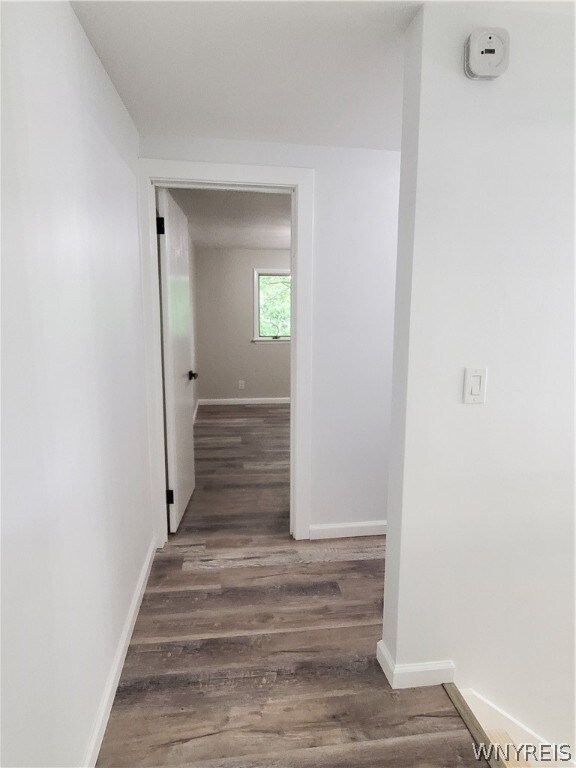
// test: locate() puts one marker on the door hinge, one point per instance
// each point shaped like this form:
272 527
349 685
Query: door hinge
169 496
159 225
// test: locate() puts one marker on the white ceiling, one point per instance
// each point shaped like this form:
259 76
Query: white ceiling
326 73
228 219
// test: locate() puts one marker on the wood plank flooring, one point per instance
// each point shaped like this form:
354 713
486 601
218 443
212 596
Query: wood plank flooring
252 650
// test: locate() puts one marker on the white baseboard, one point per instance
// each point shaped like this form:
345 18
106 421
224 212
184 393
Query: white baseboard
501 727
343 530
413 675
244 401
107 699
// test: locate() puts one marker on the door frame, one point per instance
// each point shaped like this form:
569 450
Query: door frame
299 182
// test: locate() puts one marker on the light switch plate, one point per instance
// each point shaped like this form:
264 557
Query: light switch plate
474 386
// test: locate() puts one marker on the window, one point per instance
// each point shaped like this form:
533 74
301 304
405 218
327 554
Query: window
272 296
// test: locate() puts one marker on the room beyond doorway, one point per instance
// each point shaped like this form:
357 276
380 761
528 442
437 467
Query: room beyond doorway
225 284
225 265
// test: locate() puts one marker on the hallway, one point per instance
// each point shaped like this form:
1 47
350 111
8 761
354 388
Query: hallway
252 650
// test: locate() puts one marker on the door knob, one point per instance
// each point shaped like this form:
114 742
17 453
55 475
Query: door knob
192 375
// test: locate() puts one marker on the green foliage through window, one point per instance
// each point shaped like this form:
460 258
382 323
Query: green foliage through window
274 306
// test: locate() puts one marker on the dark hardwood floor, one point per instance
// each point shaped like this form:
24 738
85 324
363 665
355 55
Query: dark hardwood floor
252 650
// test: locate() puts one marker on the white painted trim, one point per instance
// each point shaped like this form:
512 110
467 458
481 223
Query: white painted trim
498 724
271 179
343 530
195 411
244 401
107 699
414 675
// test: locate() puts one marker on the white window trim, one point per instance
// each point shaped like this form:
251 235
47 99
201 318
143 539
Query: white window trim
257 339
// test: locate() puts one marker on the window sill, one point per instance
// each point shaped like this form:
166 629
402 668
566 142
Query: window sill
270 341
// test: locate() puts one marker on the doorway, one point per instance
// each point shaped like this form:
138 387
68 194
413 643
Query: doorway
299 184
225 299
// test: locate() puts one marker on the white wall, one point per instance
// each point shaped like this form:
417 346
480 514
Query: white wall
356 199
76 524
225 322
481 507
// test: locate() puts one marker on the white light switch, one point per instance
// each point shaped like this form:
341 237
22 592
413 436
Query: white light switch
475 385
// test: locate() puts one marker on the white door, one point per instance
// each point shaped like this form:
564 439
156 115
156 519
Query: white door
178 346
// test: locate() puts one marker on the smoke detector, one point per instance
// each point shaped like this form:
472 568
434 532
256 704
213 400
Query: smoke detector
486 53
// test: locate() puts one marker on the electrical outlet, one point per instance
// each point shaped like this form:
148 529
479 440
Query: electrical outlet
241 384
